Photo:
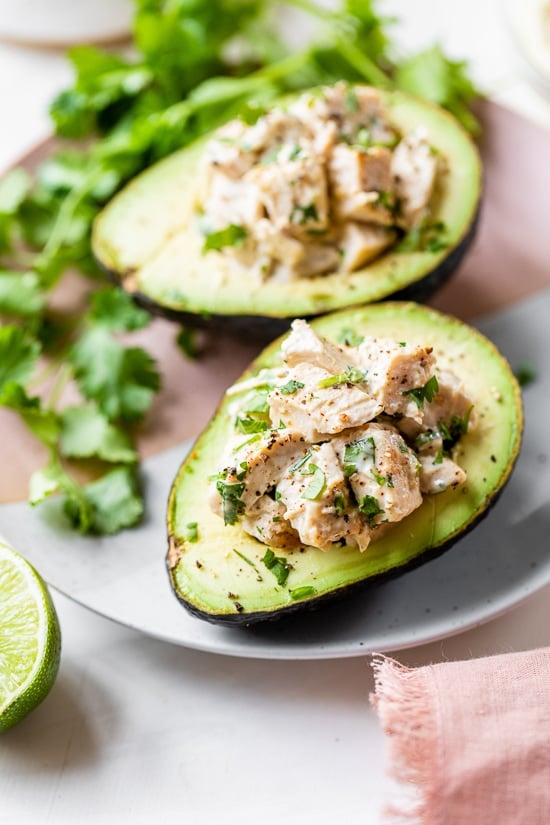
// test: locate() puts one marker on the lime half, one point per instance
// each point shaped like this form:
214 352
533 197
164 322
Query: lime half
30 638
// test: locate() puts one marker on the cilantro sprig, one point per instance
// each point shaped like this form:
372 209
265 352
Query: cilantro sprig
116 385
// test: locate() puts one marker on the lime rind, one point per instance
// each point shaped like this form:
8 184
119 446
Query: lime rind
30 638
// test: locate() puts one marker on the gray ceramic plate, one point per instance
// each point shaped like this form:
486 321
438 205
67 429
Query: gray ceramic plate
502 562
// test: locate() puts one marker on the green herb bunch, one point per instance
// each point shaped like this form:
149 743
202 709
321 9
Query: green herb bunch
194 64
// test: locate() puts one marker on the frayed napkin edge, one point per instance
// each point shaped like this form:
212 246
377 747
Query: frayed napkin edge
404 701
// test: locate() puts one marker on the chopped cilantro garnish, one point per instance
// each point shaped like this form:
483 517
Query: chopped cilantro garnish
424 238
243 471
296 152
231 493
232 235
317 484
525 373
251 440
439 457
380 479
278 565
352 375
370 508
354 453
191 531
302 592
339 504
349 337
250 425
363 139
300 462
425 393
303 214
249 562
291 387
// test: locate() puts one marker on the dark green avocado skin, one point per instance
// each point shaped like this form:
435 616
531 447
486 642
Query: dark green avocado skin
263 328
319 602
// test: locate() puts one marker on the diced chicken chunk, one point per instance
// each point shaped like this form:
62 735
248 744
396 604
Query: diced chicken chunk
272 130
383 472
304 346
318 259
293 194
226 154
317 411
361 182
361 243
231 202
438 472
259 466
278 246
414 168
320 521
266 521
351 109
394 370
450 402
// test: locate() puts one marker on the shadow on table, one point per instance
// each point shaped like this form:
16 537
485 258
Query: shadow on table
60 735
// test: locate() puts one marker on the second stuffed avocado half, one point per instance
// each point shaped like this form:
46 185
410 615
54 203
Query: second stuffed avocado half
353 449
338 197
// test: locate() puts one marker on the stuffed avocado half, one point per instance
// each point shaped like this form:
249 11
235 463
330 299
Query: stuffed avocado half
342 196
424 441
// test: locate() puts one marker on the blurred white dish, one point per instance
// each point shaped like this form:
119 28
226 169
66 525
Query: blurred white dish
64 22
530 21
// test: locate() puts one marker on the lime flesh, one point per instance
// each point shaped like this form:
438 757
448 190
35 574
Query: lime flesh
30 638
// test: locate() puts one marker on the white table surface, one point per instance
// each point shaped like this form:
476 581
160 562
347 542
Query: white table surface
136 730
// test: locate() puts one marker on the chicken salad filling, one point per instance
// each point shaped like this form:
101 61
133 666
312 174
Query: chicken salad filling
339 442
326 184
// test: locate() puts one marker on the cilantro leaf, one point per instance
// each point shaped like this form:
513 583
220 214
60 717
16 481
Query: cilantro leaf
356 452
187 342
352 375
87 432
231 493
121 380
20 294
43 423
112 502
18 354
53 478
232 235
278 565
425 393
316 485
13 189
370 508
291 387
433 76
250 425
350 337
115 310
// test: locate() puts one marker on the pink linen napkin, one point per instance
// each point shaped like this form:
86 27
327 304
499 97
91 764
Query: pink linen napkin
472 738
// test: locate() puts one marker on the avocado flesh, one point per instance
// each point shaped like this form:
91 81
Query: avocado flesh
148 238
214 582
